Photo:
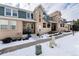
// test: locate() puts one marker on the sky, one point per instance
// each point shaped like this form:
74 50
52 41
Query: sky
69 11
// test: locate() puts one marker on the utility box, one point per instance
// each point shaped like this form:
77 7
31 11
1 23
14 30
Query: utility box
38 49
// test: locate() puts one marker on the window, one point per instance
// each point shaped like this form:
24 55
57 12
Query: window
32 25
44 25
15 12
3 24
28 15
8 12
2 11
48 25
12 24
60 25
39 18
22 14
31 16
63 25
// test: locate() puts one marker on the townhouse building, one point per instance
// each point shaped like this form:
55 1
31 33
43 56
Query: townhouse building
16 21
13 21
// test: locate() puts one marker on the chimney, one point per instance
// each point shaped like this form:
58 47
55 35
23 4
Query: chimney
18 5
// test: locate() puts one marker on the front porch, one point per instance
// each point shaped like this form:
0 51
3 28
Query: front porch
28 26
53 26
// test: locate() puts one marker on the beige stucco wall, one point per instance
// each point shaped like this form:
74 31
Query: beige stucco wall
67 26
38 24
11 32
58 19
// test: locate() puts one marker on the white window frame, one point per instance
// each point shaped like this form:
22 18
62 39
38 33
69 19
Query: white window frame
5 11
27 15
30 15
16 12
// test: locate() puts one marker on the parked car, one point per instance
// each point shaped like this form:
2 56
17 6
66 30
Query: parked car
7 40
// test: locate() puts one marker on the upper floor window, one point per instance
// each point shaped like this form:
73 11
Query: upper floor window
31 16
44 25
22 14
2 11
39 18
15 12
8 12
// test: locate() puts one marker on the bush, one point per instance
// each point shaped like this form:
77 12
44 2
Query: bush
75 27
7 40
52 32
27 37
14 39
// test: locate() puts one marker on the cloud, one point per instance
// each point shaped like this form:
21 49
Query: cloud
69 11
28 6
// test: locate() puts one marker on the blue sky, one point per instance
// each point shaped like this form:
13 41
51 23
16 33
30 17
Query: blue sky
69 11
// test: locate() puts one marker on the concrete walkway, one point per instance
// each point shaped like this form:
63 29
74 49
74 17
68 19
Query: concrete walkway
25 45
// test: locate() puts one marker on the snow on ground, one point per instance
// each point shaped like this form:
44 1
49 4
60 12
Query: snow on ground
66 46
14 43
34 38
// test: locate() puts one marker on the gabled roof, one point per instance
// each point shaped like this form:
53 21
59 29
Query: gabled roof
56 13
46 17
40 6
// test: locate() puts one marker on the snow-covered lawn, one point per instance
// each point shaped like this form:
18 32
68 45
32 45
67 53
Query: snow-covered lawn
14 43
33 38
66 46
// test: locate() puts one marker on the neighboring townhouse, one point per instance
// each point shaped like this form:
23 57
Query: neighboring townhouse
16 21
46 23
57 22
42 20
68 25
13 21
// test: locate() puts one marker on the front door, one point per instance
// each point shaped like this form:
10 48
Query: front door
53 27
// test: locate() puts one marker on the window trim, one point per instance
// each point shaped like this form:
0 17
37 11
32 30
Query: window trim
19 16
44 25
28 14
31 15
3 10
6 13
13 12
